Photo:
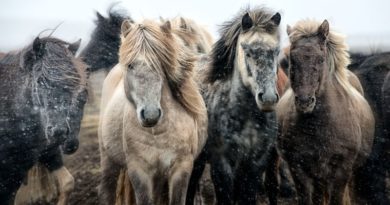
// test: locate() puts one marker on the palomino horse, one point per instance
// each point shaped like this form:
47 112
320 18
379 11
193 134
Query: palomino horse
240 93
153 121
326 125
40 108
102 50
372 70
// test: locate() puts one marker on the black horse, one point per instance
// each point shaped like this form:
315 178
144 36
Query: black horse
371 70
102 50
42 96
240 93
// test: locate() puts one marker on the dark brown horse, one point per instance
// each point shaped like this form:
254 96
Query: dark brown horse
326 125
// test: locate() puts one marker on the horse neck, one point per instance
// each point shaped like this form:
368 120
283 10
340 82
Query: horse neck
239 94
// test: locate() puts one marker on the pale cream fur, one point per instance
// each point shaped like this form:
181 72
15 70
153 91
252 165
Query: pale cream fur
172 145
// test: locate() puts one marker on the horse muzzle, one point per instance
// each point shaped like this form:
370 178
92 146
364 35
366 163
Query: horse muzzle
305 104
149 117
267 101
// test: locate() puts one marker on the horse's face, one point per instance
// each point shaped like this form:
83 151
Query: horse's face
308 67
258 54
143 87
54 87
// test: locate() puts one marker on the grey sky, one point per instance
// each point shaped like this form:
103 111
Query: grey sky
366 23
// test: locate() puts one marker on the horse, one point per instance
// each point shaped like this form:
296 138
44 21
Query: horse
153 121
195 36
371 69
101 51
326 126
41 89
240 93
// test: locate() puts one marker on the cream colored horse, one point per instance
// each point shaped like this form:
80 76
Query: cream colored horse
153 118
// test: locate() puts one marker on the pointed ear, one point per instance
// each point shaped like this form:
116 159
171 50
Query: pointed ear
275 19
323 30
38 48
166 27
246 22
73 47
126 27
99 17
289 29
183 24
273 22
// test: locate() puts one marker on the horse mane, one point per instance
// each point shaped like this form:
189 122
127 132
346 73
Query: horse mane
22 58
192 33
112 24
223 52
164 55
337 49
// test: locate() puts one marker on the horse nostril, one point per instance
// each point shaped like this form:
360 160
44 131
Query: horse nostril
159 113
312 100
143 114
296 98
260 96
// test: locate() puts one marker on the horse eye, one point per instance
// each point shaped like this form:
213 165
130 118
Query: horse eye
247 55
320 61
130 67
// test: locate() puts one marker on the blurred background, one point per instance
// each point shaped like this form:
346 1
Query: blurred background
366 23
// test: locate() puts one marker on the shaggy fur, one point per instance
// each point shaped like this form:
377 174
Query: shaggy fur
159 176
371 71
102 50
195 36
324 147
33 79
241 136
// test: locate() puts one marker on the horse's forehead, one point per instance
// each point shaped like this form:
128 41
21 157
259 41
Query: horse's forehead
260 38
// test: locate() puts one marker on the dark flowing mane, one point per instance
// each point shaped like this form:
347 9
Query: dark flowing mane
58 57
223 52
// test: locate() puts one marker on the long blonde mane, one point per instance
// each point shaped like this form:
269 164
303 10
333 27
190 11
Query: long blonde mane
337 50
167 55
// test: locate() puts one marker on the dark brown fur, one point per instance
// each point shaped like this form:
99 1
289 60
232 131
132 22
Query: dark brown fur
326 126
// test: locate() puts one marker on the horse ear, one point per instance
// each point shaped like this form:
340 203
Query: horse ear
183 24
273 22
166 27
246 22
275 19
73 47
126 27
289 29
38 48
99 17
323 30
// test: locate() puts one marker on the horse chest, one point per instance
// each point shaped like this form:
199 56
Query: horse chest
319 142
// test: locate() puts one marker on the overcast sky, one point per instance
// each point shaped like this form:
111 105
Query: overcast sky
365 22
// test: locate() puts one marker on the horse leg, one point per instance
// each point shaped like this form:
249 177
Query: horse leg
66 184
196 174
108 182
178 181
339 187
303 185
271 177
142 184
222 176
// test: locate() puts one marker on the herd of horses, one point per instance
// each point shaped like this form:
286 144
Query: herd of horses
174 101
